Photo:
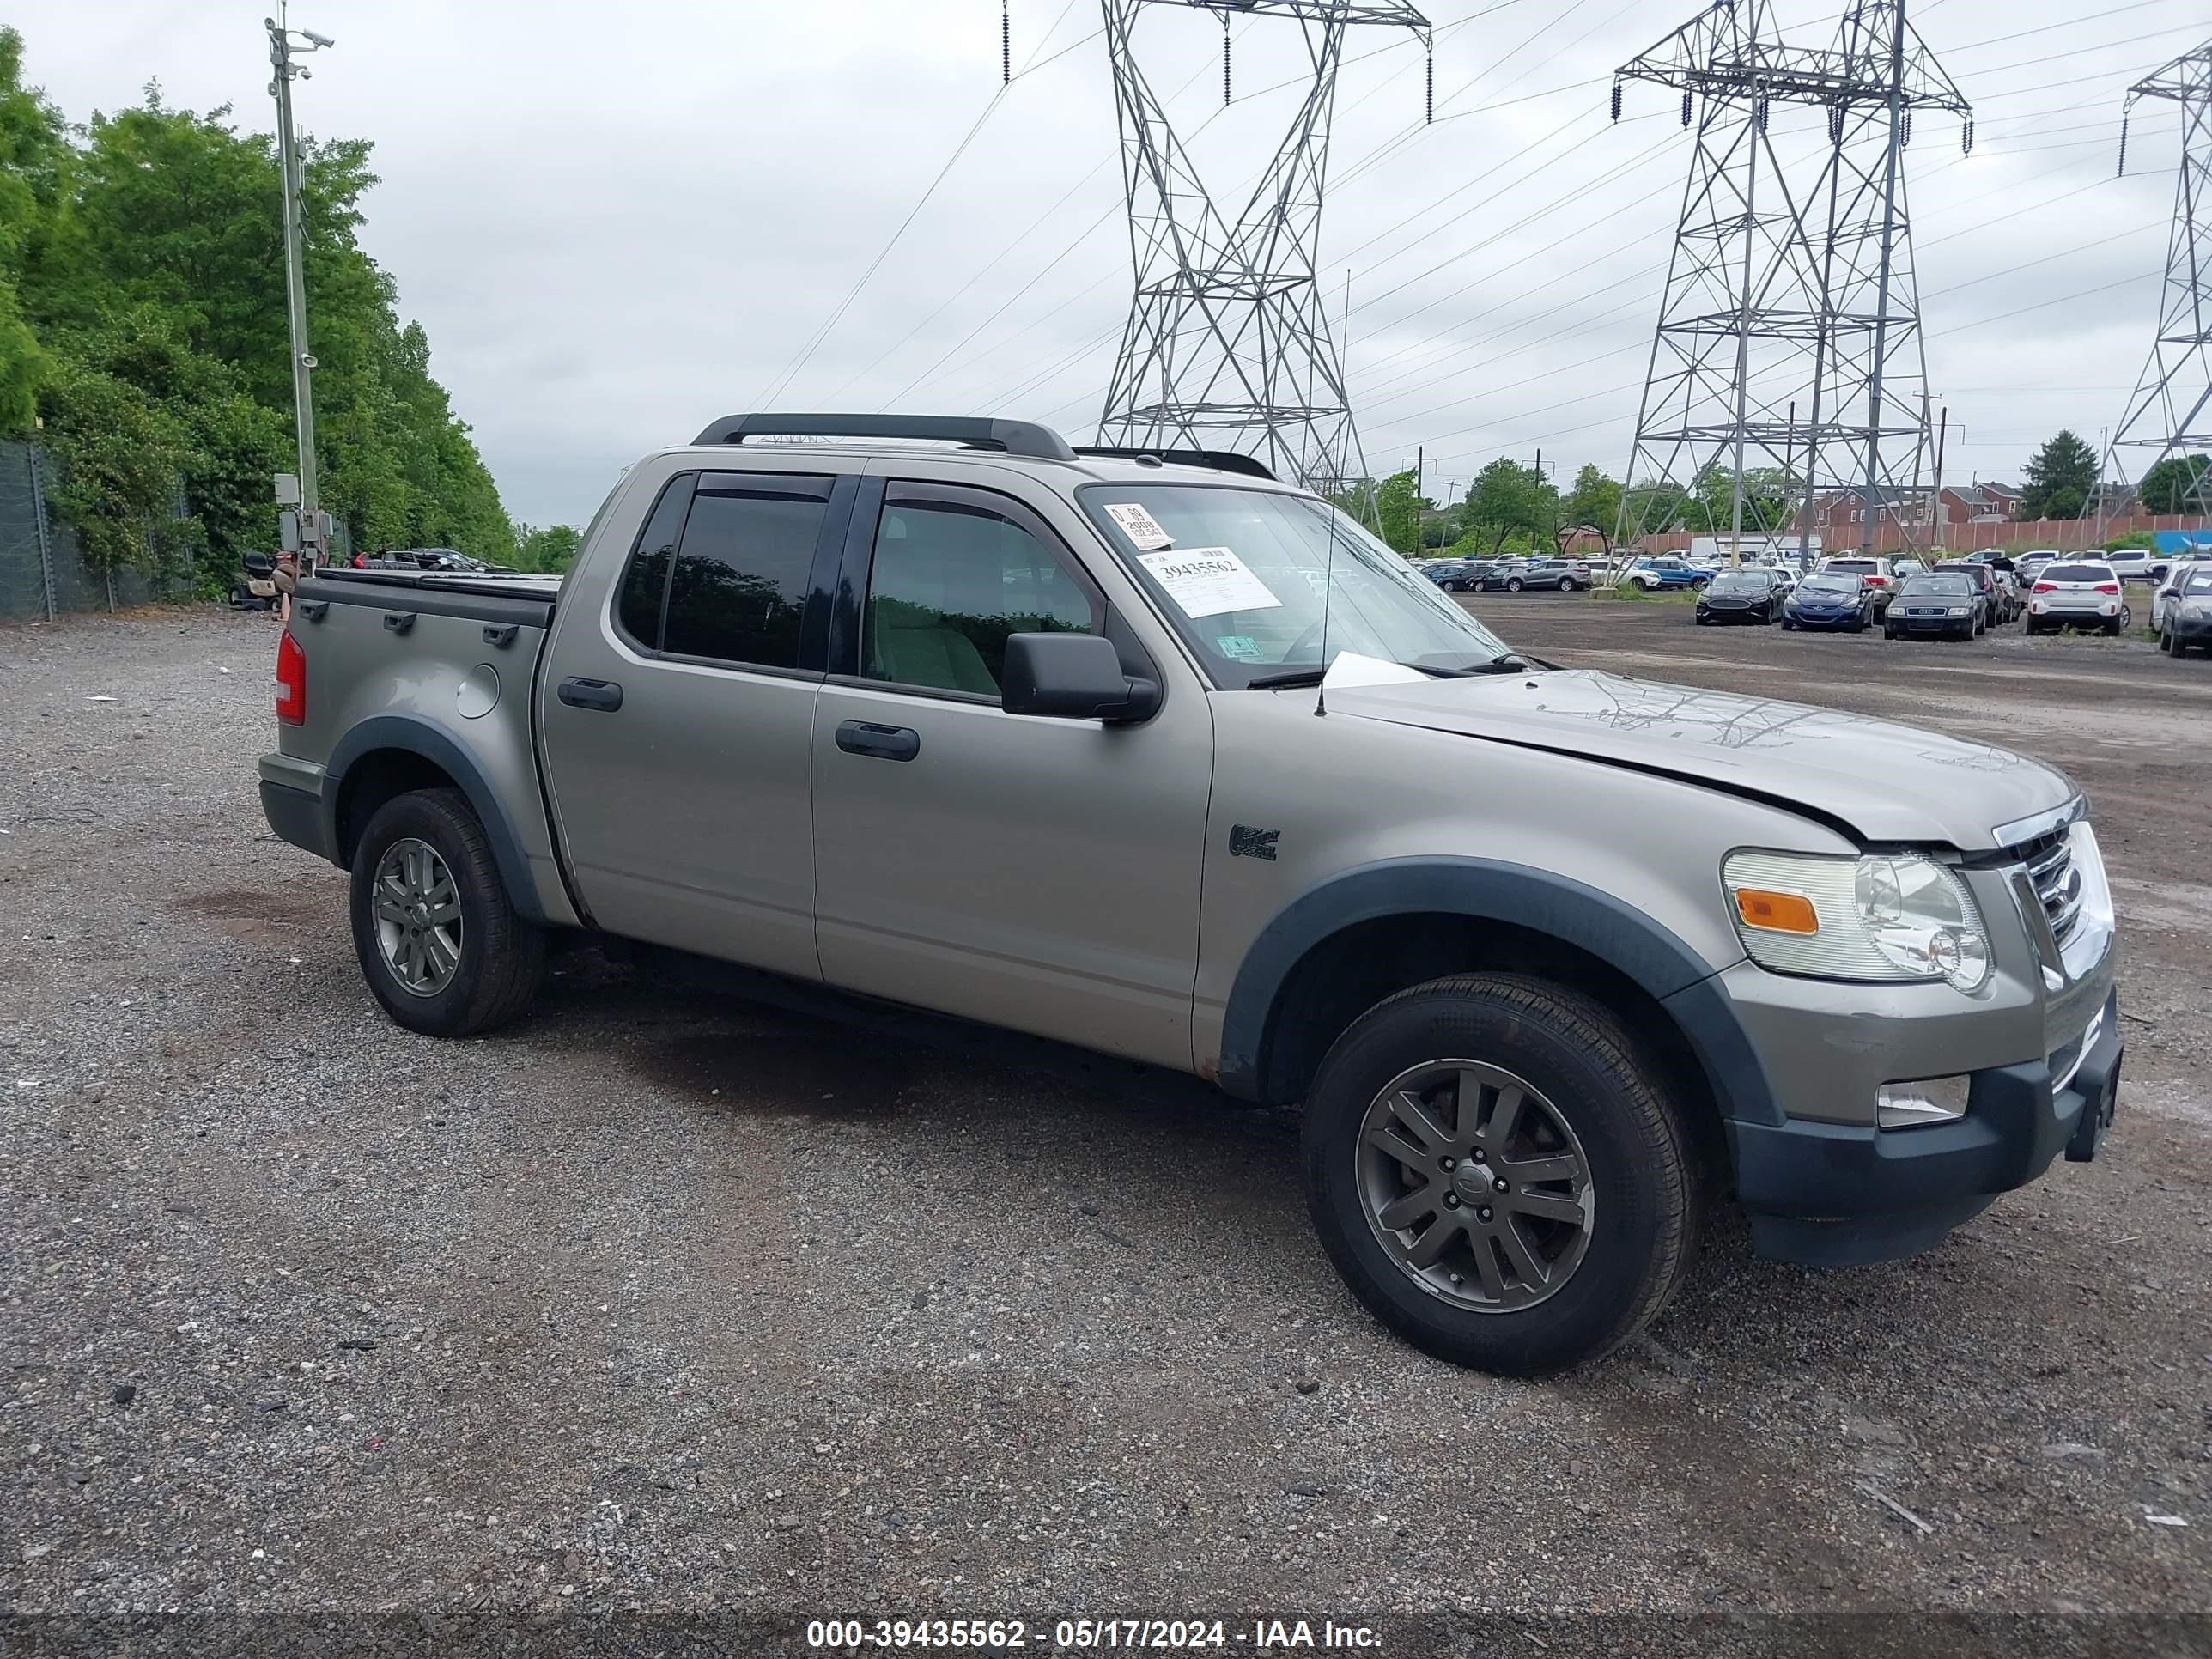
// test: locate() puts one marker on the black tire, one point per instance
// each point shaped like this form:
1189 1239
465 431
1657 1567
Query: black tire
2165 643
1888 632
1647 1191
2111 628
1514 584
1787 624
501 955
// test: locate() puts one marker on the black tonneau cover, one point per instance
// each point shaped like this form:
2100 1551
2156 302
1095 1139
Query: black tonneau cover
527 599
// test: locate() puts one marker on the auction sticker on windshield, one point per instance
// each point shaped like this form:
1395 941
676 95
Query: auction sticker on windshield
1208 580
1139 526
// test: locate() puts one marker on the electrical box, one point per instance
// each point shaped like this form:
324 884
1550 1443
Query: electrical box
288 530
288 489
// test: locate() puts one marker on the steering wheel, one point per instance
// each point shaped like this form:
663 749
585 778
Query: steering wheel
1310 638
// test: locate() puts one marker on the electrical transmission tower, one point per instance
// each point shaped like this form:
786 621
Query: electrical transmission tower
1788 360
1228 333
2171 411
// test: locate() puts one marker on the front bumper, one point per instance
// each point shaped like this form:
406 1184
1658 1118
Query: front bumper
1908 624
1822 619
2041 1045
2191 630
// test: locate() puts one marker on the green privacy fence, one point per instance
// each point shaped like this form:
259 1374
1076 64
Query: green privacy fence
42 575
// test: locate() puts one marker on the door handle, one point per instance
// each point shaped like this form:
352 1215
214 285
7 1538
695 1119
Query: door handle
602 695
898 743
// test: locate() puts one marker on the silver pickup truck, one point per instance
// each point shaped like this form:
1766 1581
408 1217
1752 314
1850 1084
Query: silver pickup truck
1151 754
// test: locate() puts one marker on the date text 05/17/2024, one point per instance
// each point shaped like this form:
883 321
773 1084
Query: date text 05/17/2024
1087 1635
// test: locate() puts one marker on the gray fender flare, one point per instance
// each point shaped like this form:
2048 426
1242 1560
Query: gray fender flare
1649 955
413 736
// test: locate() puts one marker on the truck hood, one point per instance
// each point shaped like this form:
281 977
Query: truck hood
1889 782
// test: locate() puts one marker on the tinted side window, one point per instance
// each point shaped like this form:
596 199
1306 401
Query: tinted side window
645 582
740 583
948 583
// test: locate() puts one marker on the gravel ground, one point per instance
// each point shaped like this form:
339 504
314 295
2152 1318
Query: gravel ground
673 1302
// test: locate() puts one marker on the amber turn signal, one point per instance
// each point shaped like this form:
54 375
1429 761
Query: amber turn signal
1781 913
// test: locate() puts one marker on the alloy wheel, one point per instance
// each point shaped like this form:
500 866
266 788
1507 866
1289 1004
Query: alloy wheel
1475 1185
417 910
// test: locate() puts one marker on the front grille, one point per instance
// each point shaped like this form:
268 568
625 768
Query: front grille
2050 860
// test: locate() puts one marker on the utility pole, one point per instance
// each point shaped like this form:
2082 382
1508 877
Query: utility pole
1228 342
2104 448
1777 292
1942 430
1881 285
2170 414
284 44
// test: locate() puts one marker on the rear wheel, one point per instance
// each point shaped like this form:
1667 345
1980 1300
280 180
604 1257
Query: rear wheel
2111 627
1513 584
438 939
1492 1167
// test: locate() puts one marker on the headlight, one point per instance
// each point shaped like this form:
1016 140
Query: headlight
1889 916
2196 607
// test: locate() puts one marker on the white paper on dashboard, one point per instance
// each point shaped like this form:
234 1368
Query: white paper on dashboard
1208 580
1139 526
1350 668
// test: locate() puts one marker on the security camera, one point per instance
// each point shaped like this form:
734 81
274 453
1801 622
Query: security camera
319 40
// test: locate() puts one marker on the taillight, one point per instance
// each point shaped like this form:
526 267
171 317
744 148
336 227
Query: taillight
1877 581
291 681
2045 588
2108 588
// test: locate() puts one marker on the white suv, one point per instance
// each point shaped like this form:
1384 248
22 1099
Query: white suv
2076 592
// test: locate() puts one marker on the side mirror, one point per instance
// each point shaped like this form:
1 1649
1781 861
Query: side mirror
1072 676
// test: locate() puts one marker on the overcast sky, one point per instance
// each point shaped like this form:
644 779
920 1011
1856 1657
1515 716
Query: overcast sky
618 221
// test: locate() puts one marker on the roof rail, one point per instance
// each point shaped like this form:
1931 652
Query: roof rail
1014 437
1221 460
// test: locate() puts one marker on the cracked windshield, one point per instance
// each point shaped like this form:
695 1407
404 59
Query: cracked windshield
1244 573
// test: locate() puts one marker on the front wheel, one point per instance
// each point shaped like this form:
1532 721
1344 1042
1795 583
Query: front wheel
1513 584
438 939
1493 1168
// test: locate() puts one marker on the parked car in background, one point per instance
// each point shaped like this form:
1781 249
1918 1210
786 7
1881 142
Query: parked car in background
1442 572
1900 569
1874 572
2025 565
2136 564
1838 601
1995 608
2076 593
1567 575
2189 617
1943 605
1748 595
1663 570
2169 591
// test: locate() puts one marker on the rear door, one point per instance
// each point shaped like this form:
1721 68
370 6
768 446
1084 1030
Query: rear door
1036 873
678 712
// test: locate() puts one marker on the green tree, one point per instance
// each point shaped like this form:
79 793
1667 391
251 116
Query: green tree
2058 478
1654 508
1508 500
1594 500
1766 499
1398 505
122 456
551 548
2180 483
141 275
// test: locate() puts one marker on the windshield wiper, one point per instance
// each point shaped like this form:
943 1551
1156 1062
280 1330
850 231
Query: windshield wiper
1505 662
1288 677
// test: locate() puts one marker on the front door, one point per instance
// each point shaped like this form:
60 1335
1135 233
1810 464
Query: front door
1040 874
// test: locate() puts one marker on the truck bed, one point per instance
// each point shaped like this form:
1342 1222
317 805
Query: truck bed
520 598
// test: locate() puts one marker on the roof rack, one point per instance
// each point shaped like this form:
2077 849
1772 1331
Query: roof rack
1221 460
1013 437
